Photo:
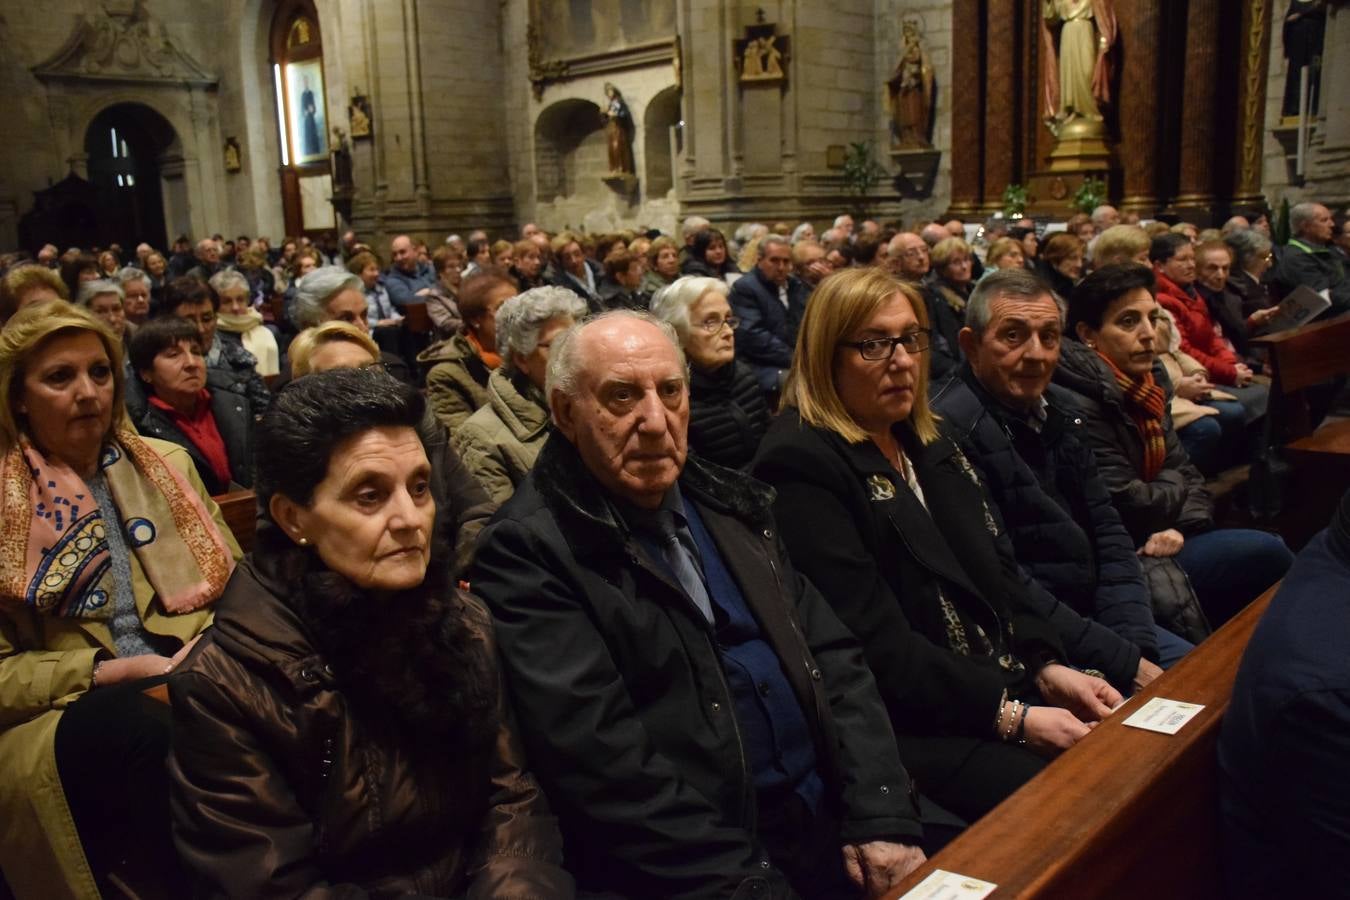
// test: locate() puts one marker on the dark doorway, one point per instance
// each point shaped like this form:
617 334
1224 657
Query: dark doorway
125 144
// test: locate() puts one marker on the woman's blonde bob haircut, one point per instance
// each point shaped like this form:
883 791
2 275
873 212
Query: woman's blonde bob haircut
307 343
842 306
24 337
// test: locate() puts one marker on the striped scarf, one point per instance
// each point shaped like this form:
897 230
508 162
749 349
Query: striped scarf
1145 403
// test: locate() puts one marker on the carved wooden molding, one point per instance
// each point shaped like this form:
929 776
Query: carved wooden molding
544 72
123 43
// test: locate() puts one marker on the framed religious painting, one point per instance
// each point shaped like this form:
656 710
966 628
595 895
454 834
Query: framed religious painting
307 116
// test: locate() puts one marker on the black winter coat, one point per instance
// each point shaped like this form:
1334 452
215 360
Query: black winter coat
934 595
311 757
727 414
234 421
768 332
1176 498
1066 533
623 704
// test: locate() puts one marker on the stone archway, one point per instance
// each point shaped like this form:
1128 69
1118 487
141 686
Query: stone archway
569 146
660 138
130 153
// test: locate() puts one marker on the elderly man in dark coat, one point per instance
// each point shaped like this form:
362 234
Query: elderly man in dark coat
1066 534
770 301
702 723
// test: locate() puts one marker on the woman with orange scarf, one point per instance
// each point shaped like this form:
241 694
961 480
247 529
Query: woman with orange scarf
460 365
1119 390
110 557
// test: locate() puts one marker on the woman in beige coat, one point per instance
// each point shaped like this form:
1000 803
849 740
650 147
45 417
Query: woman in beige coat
110 557
500 441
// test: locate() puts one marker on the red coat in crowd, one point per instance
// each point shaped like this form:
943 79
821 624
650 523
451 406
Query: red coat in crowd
1198 335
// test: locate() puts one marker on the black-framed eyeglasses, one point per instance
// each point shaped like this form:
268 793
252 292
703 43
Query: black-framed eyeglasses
878 349
712 326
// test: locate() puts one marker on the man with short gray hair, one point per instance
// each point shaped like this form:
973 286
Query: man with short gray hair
1074 553
409 279
700 720
1311 260
770 302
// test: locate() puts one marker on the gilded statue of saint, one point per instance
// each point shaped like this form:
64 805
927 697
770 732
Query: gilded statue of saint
1077 36
909 92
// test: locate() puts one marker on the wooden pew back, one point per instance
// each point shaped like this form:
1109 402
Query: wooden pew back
239 509
1299 359
1125 813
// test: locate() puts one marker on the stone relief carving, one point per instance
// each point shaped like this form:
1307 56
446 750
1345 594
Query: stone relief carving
761 56
123 42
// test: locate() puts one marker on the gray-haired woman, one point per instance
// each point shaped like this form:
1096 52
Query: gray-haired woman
727 412
240 322
1253 255
136 289
500 441
332 293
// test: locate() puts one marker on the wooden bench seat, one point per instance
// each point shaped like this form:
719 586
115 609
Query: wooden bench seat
1299 359
1125 813
239 509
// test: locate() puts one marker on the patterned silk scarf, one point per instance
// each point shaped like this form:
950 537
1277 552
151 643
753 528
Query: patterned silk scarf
1145 403
54 555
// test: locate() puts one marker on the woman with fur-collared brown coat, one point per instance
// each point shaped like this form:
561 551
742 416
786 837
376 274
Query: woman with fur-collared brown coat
343 730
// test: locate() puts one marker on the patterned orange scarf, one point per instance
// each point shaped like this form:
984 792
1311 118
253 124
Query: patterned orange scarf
1145 402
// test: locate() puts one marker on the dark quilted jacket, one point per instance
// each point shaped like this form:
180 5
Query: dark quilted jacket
727 414
1065 532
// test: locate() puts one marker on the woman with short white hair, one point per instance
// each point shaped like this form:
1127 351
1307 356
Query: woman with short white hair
501 440
240 322
727 412
332 294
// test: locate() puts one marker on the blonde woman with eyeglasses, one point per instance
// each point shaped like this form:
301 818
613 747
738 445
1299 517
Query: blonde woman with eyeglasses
883 513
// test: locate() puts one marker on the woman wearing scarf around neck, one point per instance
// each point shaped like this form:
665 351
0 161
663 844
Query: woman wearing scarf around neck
1120 392
112 554
459 366
240 323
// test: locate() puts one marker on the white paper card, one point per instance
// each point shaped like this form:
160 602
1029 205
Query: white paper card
942 885
1164 716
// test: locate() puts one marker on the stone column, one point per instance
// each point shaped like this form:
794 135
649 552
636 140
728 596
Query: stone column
1195 186
967 100
1000 116
1140 33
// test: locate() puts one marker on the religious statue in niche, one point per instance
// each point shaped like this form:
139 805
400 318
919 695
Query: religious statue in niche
618 132
1077 36
762 54
233 160
910 92
358 116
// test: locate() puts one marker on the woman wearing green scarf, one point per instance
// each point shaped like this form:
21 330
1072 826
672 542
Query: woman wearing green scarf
110 556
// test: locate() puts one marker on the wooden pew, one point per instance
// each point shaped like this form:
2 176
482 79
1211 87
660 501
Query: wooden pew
239 509
416 319
1299 359
1125 813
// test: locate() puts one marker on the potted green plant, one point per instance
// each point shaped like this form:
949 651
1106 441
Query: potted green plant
1090 195
861 174
1014 201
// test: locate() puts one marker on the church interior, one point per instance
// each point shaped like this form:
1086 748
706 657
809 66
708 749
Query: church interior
675 448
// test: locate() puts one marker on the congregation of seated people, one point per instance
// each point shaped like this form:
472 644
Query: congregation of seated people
746 563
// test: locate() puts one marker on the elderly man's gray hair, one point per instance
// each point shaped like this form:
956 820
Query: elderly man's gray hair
565 360
769 241
692 226
128 274
91 289
521 318
1248 245
1019 284
802 232
671 303
230 280
313 291
1301 215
